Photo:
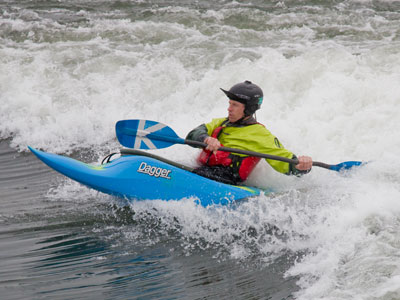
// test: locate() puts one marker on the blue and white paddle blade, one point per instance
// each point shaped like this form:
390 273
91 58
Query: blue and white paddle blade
346 165
145 134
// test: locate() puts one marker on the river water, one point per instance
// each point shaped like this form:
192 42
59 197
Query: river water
330 72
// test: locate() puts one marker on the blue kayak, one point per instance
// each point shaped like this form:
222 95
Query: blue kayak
141 176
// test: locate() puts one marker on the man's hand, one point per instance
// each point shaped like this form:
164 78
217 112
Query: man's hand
212 144
305 163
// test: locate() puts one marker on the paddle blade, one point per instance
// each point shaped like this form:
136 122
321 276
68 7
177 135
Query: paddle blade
345 165
145 134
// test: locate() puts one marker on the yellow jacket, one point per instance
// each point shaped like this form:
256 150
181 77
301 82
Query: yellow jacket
253 137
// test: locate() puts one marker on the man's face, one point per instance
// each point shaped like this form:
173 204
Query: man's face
235 111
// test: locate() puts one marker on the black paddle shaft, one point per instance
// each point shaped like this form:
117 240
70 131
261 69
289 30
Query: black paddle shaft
245 152
251 153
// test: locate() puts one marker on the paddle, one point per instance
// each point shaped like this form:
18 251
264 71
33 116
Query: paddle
145 134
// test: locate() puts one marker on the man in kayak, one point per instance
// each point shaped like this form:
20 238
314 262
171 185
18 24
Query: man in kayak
240 130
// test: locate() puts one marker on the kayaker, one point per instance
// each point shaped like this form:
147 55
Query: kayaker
240 130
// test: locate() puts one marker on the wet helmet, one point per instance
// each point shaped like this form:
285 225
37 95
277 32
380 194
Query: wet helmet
247 93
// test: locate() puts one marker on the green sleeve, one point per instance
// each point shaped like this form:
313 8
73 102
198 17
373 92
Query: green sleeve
214 124
271 145
198 134
201 132
283 167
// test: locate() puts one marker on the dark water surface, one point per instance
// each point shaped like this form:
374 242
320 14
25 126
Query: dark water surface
67 250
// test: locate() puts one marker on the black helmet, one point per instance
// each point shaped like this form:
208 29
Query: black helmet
247 93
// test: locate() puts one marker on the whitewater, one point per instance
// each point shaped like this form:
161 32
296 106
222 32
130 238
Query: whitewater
330 74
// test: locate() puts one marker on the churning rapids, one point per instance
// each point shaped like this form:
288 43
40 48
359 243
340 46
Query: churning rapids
330 71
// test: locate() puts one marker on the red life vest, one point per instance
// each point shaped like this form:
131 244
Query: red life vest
243 165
